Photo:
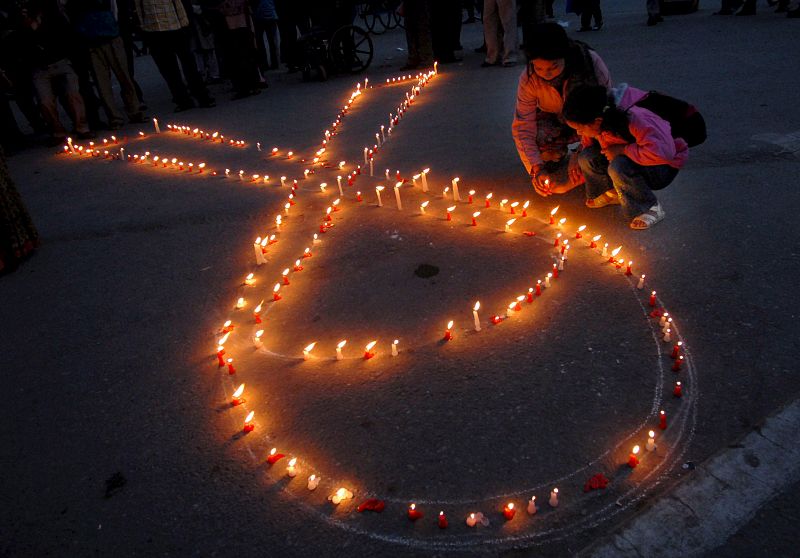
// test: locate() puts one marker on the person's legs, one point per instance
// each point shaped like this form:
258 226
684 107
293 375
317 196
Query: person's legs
271 29
594 167
181 41
259 28
508 18
72 93
635 183
119 65
102 73
45 91
167 64
491 27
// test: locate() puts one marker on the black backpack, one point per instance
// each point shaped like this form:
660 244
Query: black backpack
684 118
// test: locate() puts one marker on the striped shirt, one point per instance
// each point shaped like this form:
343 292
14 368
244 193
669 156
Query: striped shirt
161 15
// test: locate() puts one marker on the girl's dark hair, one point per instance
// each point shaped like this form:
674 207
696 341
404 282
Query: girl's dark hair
586 103
549 41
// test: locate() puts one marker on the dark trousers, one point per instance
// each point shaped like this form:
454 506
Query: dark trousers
268 27
240 58
167 48
291 17
445 28
591 9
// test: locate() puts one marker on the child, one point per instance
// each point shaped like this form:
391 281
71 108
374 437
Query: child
640 153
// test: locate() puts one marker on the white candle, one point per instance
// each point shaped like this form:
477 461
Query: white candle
508 224
414 180
667 325
532 506
547 280
668 336
155 124
663 319
605 250
456 197
240 303
307 350
554 498
475 315
259 254
313 482
378 139
283 178
122 153
366 151
378 190
397 195
339 347
651 441
394 347
425 179
339 183
387 174
291 468
257 339
422 207
561 263
278 221
503 203
640 285
383 133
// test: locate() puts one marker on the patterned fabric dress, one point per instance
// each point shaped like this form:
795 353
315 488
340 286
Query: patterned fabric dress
18 236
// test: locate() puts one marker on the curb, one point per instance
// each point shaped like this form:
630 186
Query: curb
719 498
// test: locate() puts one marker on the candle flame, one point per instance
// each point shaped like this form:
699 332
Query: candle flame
426 171
249 277
292 462
259 333
526 205
635 450
379 188
555 490
472 192
615 251
456 179
554 210
503 201
341 344
397 184
510 222
310 347
510 505
273 451
562 221
249 417
276 288
370 345
597 237
450 324
238 392
515 204
477 306
341 493
651 434
240 302
581 228
489 196
476 214
412 506
223 339
424 204
451 208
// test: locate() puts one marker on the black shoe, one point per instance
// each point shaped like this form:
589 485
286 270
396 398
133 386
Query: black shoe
793 13
651 21
584 29
599 26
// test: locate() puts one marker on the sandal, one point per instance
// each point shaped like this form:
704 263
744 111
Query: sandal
648 218
609 197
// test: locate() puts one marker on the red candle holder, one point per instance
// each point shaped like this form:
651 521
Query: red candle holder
509 511
413 513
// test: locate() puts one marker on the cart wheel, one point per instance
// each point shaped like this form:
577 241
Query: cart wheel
370 13
350 49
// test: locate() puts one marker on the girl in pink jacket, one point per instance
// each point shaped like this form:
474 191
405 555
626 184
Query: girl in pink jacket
640 153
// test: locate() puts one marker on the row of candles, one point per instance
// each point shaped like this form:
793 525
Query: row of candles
343 494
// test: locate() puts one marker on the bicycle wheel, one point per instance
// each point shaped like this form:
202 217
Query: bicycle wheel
351 49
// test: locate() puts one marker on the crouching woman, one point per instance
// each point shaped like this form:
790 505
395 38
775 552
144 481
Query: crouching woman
641 155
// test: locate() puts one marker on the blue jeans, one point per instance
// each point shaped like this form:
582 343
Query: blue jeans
634 183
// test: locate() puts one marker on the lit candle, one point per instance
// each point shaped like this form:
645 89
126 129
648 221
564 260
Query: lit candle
633 460
651 441
579 231
308 349
475 315
366 152
676 366
307 253
414 513
340 496
257 312
614 252
155 125
525 208
474 218
444 192
561 264
562 221
339 183
640 285
236 399
291 468
278 221
358 197
257 339
305 173
394 347
456 197
339 347
378 190
414 180
678 391
605 250
442 520
448 334
383 133
220 354
231 369
283 178
652 298
286 208
450 209
595 238
275 295
553 498
425 179
248 422
397 195
508 224
503 203
662 420
513 208
532 506
471 520
259 252
313 482
471 195
371 167
539 287
509 511
323 186
553 214
274 456
676 350
489 199
628 268
387 175
289 154
663 319
547 280
368 354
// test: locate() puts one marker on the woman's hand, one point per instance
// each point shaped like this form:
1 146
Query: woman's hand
613 151
541 182
574 170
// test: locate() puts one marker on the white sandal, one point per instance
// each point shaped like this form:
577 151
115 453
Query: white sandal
609 197
648 218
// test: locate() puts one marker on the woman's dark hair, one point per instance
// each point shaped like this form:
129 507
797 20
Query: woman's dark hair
586 103
548 41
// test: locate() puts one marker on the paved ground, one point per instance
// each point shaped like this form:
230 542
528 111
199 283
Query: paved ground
109 328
